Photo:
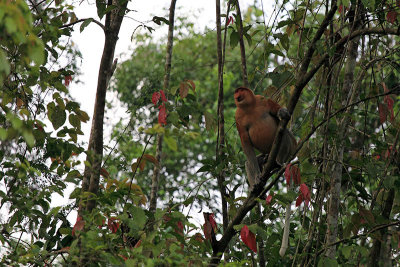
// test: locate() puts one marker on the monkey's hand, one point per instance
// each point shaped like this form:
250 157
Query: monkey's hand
283 114
262 159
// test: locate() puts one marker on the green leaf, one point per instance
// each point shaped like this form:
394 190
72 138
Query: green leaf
346 251
101 8
131 263
72 175
83 116
85 24
4 64
171 143
65 231
29 138
285 42
327 262
188 201
3 134
56 115
205 168
140 217
157 20
370 4
11 27
74 120
248 38
234 39
299 14
36 53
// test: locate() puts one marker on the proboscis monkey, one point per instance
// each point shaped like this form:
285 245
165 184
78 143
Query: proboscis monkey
257 120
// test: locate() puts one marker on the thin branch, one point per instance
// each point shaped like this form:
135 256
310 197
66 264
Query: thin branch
82 20
377 228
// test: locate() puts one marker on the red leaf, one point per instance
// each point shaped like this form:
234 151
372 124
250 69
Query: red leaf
104 173
390 103
79 224
207 230
287 174
268 199
383 111
230 20
155 97
198 237
162 115
212 221
391 16
183 90
113 225
292 172
163 98
299 200
248 238
210 226
67 80
340 9
305 193
192 85
179 225
296 174
138 244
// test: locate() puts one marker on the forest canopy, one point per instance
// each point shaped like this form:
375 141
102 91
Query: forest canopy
172 184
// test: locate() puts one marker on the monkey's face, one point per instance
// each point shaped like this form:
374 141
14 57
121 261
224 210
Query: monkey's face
243 97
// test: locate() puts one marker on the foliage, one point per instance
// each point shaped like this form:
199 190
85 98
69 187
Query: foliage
348 140
38 145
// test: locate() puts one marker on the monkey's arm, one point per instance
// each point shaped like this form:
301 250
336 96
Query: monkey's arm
252 169
272 107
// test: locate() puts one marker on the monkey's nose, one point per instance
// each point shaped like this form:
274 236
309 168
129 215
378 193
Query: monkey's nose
239 98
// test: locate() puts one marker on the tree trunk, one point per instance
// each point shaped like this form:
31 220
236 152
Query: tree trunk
91 176
156 171
221 119
241 44
349 89
380 252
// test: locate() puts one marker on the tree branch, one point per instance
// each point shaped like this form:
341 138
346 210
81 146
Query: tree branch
377 228
82 20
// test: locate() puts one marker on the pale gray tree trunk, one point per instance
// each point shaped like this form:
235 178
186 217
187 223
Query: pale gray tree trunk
349 89
156 171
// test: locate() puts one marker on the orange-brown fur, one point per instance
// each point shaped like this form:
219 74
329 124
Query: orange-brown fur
257 121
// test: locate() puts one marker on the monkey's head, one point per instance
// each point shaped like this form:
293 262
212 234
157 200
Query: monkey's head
244 97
